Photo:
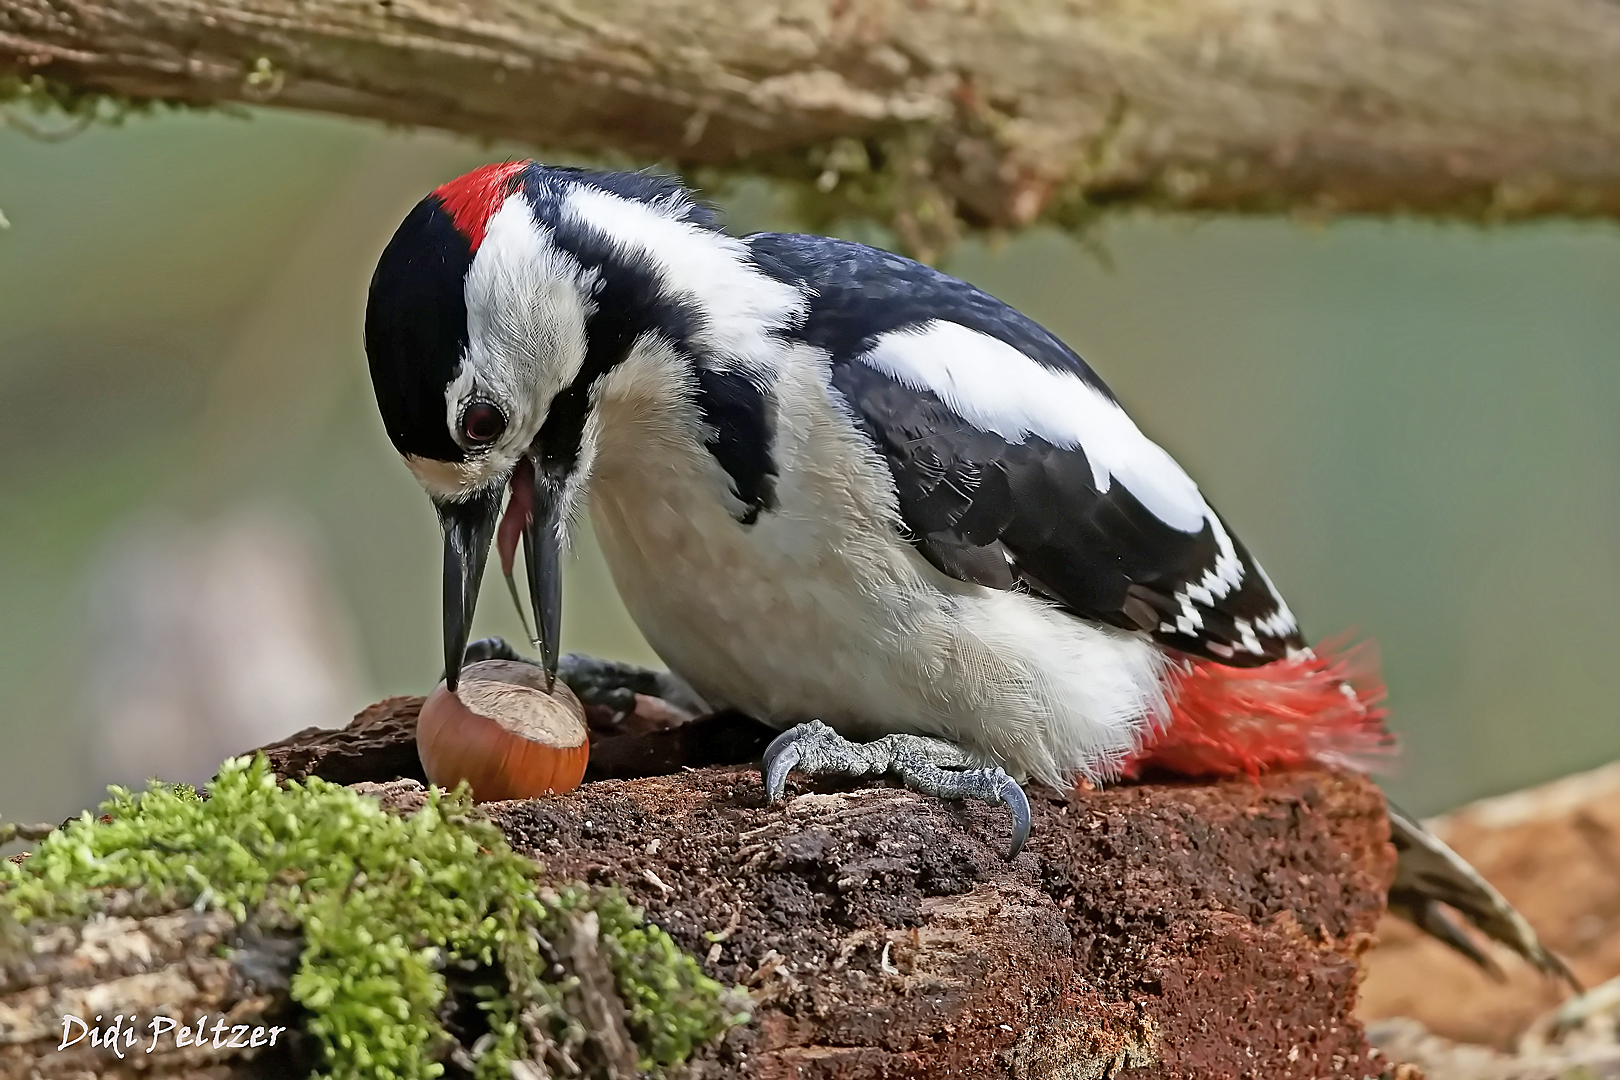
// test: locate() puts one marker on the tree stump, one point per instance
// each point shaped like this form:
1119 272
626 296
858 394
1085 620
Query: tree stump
1148 930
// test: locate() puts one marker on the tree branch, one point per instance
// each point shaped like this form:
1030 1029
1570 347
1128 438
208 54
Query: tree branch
1000 112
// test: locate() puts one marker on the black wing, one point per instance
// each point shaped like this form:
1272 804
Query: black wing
1024 513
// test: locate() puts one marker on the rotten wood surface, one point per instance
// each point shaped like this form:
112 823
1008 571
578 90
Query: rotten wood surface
1194 930
380 743
1177 930
998 112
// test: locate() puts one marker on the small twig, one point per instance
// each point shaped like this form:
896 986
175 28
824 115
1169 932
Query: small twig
653 879
731 926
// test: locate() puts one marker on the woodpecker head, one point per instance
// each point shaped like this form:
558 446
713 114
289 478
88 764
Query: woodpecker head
496 310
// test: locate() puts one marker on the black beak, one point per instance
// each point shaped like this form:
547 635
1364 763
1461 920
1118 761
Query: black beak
469 526
542 552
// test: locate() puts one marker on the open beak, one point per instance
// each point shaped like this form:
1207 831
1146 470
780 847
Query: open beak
534 513
542 553
468 526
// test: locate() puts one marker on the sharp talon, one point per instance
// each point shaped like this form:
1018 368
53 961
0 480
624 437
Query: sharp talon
926 765
780 759
1018 803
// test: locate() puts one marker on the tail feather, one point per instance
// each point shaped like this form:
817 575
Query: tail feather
1325 708
1428 874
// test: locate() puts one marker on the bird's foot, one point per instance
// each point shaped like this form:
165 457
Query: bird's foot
623 690
616 684
927 766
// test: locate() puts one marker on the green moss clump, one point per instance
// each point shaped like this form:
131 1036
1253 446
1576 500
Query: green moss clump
671 1004
80 108
383 904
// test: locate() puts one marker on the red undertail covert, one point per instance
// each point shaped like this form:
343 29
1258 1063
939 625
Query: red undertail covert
1319 708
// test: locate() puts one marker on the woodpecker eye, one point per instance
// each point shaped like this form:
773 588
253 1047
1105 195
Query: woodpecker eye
482 423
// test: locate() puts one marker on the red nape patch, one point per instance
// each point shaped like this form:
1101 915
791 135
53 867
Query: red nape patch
1314 710
472 200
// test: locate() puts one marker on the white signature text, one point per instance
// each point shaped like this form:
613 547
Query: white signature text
118 1037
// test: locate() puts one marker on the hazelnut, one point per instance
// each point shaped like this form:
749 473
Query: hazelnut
503 733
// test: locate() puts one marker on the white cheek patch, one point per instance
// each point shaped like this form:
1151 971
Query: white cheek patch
527 305
995 387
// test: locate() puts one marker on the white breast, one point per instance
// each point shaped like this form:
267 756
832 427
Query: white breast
821 611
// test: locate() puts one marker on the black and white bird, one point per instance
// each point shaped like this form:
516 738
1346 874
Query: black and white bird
842 492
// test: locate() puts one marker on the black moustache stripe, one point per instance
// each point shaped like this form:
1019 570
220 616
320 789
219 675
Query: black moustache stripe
630 303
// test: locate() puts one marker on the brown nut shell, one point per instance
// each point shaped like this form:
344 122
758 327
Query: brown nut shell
503 733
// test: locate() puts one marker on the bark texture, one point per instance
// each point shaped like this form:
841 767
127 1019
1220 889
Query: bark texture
145 970
1157 930
995 111
229 985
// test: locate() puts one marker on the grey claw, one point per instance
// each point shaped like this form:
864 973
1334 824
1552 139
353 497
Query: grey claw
925 765
621 699
781 757
1018 803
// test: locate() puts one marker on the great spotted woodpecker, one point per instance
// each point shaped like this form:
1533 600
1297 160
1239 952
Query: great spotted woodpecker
851 496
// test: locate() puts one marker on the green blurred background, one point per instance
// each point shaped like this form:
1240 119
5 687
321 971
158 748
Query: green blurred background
206 541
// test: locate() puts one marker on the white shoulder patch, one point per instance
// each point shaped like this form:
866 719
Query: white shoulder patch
997 388
740 304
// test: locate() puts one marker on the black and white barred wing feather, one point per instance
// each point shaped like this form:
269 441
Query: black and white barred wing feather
1015 466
